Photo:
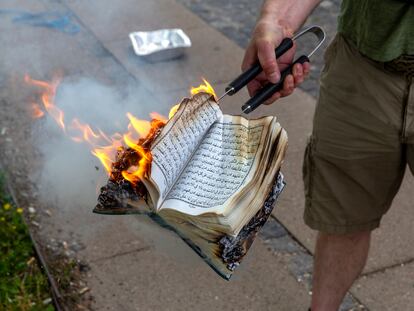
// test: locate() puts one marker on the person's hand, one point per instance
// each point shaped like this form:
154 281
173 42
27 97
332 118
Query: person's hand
266 37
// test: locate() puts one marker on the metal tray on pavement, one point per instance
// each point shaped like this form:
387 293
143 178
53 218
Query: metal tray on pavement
160 45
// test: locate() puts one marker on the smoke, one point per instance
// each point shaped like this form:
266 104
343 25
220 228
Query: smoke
71 174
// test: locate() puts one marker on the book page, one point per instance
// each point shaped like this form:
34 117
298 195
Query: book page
179 140
222 163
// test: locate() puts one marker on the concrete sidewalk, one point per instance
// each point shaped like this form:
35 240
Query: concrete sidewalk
130 271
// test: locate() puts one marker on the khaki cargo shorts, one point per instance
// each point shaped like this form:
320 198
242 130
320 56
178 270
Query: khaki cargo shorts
362 141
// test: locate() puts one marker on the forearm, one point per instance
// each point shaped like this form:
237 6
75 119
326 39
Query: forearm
288 14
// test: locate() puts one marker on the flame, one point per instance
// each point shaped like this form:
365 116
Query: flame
142 127
135 173
104 154
106 147
85 132
173 111
37 112
48 97
157 116
206 87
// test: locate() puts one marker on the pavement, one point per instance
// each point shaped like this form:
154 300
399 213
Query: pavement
133 264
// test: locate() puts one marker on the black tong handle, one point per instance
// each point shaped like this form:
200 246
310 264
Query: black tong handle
247 76
266 92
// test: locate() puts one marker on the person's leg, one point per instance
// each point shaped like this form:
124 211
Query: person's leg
339 259
353 167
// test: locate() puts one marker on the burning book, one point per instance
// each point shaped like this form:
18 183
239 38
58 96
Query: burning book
211 178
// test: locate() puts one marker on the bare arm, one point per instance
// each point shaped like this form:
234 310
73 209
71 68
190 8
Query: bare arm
278 19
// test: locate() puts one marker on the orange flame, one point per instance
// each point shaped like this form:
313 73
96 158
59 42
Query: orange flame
142 127
206 87
103 146
135 173
85 132
48 97
37 112
157 116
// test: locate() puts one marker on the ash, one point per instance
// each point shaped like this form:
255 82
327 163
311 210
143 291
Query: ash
235 248
115 195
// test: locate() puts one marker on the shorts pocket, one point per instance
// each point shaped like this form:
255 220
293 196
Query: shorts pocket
330 52
308 168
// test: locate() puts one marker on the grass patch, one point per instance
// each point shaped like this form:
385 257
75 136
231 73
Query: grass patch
23 286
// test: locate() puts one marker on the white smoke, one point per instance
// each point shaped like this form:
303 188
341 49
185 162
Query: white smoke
71 174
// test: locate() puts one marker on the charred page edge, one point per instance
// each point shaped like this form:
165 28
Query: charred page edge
113 201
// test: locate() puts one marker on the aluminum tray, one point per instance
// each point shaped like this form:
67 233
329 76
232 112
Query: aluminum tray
160 45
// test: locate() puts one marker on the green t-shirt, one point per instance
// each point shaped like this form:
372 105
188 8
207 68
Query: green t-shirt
381 29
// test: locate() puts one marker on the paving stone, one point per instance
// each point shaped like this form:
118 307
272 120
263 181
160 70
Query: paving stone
392 241
284 244
392 289
43 51
26 52
208 57
21 5
291 204
9 10
350 304
111 20
155 282
122 234
272 230
302 265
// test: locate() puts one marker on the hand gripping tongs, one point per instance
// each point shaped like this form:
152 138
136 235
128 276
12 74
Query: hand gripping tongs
268 90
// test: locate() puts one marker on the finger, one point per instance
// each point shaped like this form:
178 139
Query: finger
253 87
262 78
298 74
272 99
249 57
288 86
259 82
306 69
266 55
286 59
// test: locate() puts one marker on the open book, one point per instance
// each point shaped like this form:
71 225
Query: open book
212 177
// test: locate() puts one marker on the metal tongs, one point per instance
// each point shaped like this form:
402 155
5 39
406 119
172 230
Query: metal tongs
268 90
